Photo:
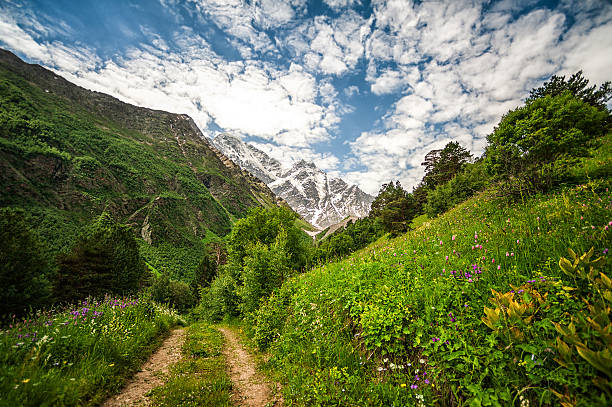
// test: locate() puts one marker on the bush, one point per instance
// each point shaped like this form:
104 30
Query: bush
177 294
458 189
530 139
105 259
204 274
220 299
264 269
23 269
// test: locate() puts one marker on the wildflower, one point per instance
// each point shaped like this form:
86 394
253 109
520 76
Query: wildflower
403 385
492 260
426 381
25 380
605 251
414 386
507 254
453 238
499 267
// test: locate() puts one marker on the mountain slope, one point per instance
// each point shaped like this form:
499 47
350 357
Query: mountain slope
67 153
321 200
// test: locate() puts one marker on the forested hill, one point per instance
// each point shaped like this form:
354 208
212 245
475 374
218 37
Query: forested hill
67 154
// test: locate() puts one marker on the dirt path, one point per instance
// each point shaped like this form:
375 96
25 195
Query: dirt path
250 388
151 374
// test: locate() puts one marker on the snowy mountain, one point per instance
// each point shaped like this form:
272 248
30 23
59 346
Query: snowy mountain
318 198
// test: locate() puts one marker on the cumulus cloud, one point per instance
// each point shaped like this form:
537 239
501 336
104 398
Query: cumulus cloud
330 46
442 71
475 66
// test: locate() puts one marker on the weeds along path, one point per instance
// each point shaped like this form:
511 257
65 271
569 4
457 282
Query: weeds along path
151 374
250 389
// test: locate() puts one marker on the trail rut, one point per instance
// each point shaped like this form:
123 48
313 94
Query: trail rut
250 388
151 374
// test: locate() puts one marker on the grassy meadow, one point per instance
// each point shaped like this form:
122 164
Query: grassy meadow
80 354
471 308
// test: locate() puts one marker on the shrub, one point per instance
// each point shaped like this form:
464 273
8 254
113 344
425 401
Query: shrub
458 189
177 294
220 299
204 274
264 269
105 259
530 139
23 270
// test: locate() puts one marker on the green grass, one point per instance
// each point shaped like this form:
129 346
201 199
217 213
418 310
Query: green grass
404 313
200 378
79 355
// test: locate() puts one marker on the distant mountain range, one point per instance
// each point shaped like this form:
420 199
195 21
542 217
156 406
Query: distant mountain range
318 198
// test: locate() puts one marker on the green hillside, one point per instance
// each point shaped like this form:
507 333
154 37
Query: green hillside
471 308
67 153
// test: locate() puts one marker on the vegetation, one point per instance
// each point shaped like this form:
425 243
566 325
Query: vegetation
577 86
534 144
478 306
24 273
401 321
68 154
263 249
176 294
80 354
104 260
464 296
354 236
200 378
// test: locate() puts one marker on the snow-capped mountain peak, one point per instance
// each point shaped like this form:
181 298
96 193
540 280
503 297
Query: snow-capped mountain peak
318 198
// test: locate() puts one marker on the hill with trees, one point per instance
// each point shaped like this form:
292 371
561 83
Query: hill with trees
68 154
490 284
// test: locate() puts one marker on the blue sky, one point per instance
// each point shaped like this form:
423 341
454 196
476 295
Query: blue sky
362 88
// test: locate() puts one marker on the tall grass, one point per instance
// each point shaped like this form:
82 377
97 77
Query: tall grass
80 354
399 323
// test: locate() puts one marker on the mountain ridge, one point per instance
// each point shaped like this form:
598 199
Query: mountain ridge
68 153
318 198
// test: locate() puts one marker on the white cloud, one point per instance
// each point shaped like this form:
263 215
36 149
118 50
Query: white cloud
474 68
351 90
339 4
389 82
330 46
451 69
252 97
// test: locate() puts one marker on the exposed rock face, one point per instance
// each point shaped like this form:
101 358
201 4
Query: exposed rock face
321 200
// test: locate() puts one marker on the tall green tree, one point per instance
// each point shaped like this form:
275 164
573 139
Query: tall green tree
442 165
387 194
204 273
578 86
23 269
263 226
262 249
105 259
541 132
394 207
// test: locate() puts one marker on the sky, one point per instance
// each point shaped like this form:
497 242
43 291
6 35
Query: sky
362 88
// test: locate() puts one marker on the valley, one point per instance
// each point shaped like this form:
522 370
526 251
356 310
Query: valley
143 264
